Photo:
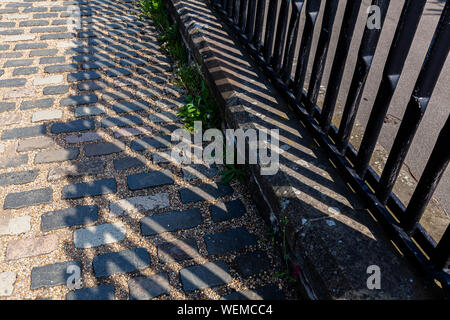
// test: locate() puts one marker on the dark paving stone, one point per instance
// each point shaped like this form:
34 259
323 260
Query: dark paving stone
18 63
51 60
171 221
18 178
228 241
101 149
81 76
227 211
32 45
117 72
145 143
121 262
52 275
76 216
11 83
131 106
26 132
102 292
73 126
178 250
90 57
52 90
48 30
204 276
25 71
58 36
252 263
57 68
91 86
146 288
205 192
269 292
149 179
98 65
124 121
89 189
44 15
34 104
79 100
128 163
7 106
28 198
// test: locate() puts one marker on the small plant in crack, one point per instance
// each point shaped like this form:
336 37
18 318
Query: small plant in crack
286 274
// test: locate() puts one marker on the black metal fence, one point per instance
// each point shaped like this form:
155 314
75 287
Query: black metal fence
270 31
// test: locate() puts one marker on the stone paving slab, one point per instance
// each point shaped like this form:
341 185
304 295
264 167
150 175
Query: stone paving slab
87 186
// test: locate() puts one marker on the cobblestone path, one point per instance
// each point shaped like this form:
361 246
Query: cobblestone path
85 178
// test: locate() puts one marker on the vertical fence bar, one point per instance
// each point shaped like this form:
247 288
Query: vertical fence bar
251 13
291 42
243 14
364 63
340 59
428 77
404 35
281 35
270 30
441 255
321 53
312 13
260 14
429 180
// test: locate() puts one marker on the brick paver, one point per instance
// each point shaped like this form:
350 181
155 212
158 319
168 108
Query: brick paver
86 180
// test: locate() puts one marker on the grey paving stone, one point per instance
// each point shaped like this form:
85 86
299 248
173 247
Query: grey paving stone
46 115
14 225
163 117
149 179
227 211
10 31
78 100
121 262
70 217
145 143
228 241
18 178
52 275
11 83
252 263
44 15
101 292
117 72
33 23
205 192
28 198
10 55
31 45
171 221
141 204
7 106
59 155
25 132
89 111
117 95
91 86
43 52
131 106
35 143
81 76
52 60
35 104
146 288
89 189
199 171
14 161
57 68
102 149
97 65
48 30
7 25
99 235
55 79
124 121
76 170
52 90
4 47
91 57
18 63
205 276
25 71
58 36
7 280
269 292
73 126
178 250
128 163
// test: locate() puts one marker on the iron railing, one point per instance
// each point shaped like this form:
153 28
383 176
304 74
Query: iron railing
270 31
